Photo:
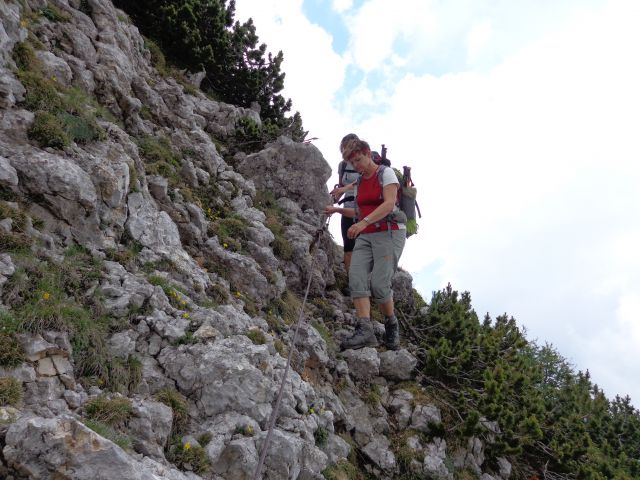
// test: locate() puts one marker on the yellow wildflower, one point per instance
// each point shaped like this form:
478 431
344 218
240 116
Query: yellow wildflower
238 294
24 23
249 430
225 245
46 295
185 315
187 446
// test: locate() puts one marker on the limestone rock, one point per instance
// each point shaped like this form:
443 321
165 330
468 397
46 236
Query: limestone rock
379 453
364 364
434 460
401 407
293 170
423 416
397 365
150 424
64 447
8 174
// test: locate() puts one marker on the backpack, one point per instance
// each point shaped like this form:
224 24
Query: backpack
406 201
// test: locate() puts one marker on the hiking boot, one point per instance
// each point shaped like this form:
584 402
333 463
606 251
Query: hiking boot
391 333
362 337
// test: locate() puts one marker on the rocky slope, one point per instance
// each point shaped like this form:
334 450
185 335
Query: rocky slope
150 281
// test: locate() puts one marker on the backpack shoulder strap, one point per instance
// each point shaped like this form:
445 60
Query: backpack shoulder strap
341 168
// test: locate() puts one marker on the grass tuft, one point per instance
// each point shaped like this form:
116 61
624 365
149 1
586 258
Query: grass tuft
11 352
178 404
10 391
113 412
104 430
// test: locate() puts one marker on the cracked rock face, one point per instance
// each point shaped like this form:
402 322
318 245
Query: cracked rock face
63 447
190 334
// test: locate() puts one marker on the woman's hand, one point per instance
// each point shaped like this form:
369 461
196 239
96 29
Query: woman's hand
336 193
356 229
330 209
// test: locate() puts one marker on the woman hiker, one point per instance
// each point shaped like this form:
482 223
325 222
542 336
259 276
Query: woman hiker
379 241
347 177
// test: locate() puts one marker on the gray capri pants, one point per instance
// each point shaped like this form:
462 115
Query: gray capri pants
374 261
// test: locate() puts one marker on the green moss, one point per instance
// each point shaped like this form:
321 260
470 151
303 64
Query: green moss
10 391
321 436
41 93
256 336
24 56
110 411
104 430
81 128
62 114
47 131
231 231
160 158
178 404
158 149
343 470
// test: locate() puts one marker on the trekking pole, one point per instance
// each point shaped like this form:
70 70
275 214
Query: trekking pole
276 408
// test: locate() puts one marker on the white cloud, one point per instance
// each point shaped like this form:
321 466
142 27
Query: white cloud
341 6
378 24
477 39
528 175
527 171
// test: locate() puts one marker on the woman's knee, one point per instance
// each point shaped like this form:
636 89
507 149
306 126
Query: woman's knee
381 293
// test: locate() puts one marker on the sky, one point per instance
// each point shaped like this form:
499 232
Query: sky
521 122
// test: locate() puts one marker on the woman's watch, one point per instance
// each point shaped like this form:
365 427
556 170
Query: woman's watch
366 220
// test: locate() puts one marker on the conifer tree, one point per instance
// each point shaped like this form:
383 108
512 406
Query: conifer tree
201 35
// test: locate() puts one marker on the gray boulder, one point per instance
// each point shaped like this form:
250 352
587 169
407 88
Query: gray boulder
434 460
397 365
364 364
64 448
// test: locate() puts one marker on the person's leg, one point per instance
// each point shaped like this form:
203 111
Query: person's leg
347 260
387 250
348 243
362 306
361 264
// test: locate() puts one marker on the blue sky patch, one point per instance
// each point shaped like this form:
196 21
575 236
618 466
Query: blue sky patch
321 13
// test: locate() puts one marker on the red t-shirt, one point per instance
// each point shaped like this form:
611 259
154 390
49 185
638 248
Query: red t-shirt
369 198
